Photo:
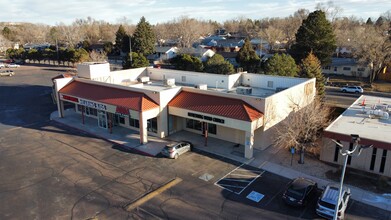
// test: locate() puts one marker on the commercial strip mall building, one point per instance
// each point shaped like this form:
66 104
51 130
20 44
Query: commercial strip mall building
241 108
369 118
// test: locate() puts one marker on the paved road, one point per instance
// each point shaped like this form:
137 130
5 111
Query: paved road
335 97
50 172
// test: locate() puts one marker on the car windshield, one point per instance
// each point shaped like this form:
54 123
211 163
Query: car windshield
169 148
296 191
329 205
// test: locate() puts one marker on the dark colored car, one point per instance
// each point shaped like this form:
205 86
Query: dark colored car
299 191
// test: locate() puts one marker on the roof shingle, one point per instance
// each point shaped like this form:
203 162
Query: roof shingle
216 105
118 97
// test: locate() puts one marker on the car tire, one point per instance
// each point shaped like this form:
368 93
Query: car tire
356 92
176 156
344 90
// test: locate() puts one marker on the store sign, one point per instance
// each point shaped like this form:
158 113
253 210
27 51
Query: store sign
121 111
70 98
92 104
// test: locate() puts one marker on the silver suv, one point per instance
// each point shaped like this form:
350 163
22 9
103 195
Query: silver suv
352 89
328 200
173 150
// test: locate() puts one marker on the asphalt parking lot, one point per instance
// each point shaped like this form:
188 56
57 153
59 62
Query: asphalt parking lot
48 171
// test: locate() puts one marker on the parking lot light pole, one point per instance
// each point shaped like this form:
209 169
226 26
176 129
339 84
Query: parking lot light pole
346 154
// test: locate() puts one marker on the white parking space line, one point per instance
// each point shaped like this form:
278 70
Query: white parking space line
232 186
244 178
252 181
230 179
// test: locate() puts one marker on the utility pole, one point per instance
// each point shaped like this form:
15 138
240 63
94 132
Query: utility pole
130 49
346 154
58 57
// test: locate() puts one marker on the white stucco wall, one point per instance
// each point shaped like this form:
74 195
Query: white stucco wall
60 83
125 76
92 70
280 105
261 81
190 78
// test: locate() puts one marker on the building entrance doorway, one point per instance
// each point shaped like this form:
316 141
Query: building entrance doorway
102 119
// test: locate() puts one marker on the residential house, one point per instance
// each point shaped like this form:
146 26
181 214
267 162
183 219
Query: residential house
230 57
162 54
346 67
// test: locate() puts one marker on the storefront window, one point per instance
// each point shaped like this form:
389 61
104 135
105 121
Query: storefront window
134 123
91 111
87 110
197 125
152 125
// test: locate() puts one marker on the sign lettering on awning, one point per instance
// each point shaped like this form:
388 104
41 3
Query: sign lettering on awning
92 104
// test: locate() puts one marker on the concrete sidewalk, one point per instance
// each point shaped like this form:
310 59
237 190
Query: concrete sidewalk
274 160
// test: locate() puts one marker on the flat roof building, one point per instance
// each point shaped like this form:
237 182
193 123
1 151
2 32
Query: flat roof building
240 108
369 118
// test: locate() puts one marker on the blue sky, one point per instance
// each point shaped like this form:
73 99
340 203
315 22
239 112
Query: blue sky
66 11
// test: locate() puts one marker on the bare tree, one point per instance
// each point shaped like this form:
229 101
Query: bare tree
189 30
332 11
97 57
372 46
271 34
302 127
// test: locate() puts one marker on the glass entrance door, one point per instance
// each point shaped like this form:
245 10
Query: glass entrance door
102 119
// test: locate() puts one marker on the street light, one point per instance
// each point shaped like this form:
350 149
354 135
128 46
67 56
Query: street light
347 153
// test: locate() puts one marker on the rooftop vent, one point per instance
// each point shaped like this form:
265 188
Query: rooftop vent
143 79
169 82
244 90
202 86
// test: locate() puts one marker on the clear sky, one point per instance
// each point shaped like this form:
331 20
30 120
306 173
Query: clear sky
53 12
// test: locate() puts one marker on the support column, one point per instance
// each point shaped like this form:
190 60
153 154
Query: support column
60 107
143 129
83 110
162 123
249 144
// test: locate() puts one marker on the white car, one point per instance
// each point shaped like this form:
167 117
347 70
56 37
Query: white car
2 65
13 65
7 73
173 150
328 200
352 89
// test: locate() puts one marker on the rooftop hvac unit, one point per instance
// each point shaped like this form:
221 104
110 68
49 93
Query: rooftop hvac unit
202 86
143 79
244 90
169 82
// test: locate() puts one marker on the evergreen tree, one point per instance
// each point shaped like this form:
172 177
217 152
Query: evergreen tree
311 68
380 21
369 21
8 33
218 65
143 40
316 35
247 58
187 62
138 60
119 38
281 65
